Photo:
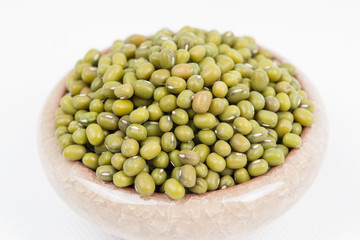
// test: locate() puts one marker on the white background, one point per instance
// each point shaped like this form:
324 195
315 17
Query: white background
41 40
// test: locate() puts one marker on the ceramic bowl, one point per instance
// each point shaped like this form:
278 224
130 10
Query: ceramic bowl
221 214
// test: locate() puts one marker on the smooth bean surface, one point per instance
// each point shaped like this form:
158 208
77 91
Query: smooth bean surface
182 112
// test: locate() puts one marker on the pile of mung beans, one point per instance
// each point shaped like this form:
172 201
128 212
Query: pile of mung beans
186 112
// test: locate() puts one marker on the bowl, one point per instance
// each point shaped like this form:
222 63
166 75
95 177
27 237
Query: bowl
221 214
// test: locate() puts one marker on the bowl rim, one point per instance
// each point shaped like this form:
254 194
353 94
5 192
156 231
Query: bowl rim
305 84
